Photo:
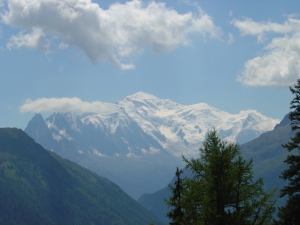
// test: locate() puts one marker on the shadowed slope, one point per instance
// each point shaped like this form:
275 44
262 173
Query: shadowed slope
39 187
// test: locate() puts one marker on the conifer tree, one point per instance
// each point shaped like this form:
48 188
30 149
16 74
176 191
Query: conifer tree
176 214
290 213
222 190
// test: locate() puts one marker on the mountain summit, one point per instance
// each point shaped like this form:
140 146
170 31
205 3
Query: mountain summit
139 143
180 129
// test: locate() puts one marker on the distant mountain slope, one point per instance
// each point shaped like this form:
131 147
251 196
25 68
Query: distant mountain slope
39 187
267 154
155 203
138 142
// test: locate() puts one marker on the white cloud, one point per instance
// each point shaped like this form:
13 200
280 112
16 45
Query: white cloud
259 29
49 105
114 34
35 40
280 65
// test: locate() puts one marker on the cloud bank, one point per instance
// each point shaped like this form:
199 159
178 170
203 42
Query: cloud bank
114 34
279 66
49 105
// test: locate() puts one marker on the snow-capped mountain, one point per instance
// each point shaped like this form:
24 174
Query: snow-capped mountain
139 141
180 129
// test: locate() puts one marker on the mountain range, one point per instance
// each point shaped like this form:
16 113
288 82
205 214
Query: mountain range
39 187
138 141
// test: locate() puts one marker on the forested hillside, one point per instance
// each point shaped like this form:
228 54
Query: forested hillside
39 187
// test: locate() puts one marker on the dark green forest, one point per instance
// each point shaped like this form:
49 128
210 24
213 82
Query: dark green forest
39 187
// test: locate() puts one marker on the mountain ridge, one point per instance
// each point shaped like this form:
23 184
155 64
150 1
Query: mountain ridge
143 139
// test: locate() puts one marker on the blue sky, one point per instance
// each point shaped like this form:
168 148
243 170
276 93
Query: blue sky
232 55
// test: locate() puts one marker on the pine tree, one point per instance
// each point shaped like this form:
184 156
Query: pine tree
222 190
290 213
176 214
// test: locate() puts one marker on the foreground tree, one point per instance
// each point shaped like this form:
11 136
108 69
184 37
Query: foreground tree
222 190
176 214
290 213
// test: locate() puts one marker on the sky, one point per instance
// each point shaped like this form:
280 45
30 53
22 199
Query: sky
74 54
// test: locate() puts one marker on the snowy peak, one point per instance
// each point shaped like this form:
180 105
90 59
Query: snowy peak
178 129
142 102
139 96
113 135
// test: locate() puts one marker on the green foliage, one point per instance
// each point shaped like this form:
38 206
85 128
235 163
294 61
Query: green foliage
176 214
222 190
289 214
39 187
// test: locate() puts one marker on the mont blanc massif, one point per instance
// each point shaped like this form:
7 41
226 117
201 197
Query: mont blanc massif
139 141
